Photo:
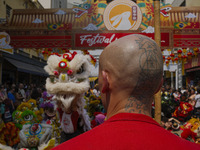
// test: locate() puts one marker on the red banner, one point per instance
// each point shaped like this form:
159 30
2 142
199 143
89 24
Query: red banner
186 40
101 40
64 41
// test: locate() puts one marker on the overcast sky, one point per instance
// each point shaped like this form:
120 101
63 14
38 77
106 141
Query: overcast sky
45 3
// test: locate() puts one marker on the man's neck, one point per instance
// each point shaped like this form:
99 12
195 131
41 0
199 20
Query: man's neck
131 104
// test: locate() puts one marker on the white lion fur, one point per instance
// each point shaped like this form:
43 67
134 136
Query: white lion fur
64 88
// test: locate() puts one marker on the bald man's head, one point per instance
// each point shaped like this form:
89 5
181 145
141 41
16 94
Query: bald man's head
133 62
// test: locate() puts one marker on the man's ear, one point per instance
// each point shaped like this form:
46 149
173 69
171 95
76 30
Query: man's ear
105 85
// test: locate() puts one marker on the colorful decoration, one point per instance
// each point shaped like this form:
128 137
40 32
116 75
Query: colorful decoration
191 129
91 10
38 112
68 88
172 55
189 54
186 25
196 50
9 133
184 50
163 58
167 63
184 58
32 135
65 50
176 60
59 26
122 15
45 54
182 111
51 118
179 53
24 117
147 9
4 43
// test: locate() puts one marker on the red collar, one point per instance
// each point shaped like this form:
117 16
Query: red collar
132 117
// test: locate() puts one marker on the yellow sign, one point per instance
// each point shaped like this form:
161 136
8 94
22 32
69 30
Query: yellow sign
4 43
122 15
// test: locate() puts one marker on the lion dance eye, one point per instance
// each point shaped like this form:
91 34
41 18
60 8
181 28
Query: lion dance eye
80 70
62 64
28 117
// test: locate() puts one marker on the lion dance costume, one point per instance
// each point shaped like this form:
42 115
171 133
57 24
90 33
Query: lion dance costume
68 81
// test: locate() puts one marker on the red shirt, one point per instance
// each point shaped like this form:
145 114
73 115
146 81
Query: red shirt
128 131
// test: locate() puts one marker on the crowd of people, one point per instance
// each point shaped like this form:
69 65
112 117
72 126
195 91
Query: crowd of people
171 99
125 102
11 96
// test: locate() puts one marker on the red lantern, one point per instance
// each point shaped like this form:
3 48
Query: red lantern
172 55
179 53
184 50
184 58
45 53
163 59
196 50
168 58
189 54
173 60
176 60
167 63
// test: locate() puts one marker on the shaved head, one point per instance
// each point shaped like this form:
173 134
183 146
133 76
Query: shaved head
133 62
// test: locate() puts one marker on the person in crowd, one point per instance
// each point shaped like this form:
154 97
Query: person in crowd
197 102
3 94
21 94
28 92
130 73
177 95
11 96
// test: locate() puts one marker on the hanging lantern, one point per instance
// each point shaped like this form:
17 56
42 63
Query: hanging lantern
196 50
163 59
184 50
168 58
189 54
179 53
85 52
184 58
49 51
172 55
176 60
45 53
64 50
173 60
167 63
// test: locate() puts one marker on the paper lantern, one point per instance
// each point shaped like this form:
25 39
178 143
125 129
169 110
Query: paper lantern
184 50
49 50
45 54
176 60
167 63
179 53
163 59
64 50
184 58
168 58
172 55
189 54
173 60
196 50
